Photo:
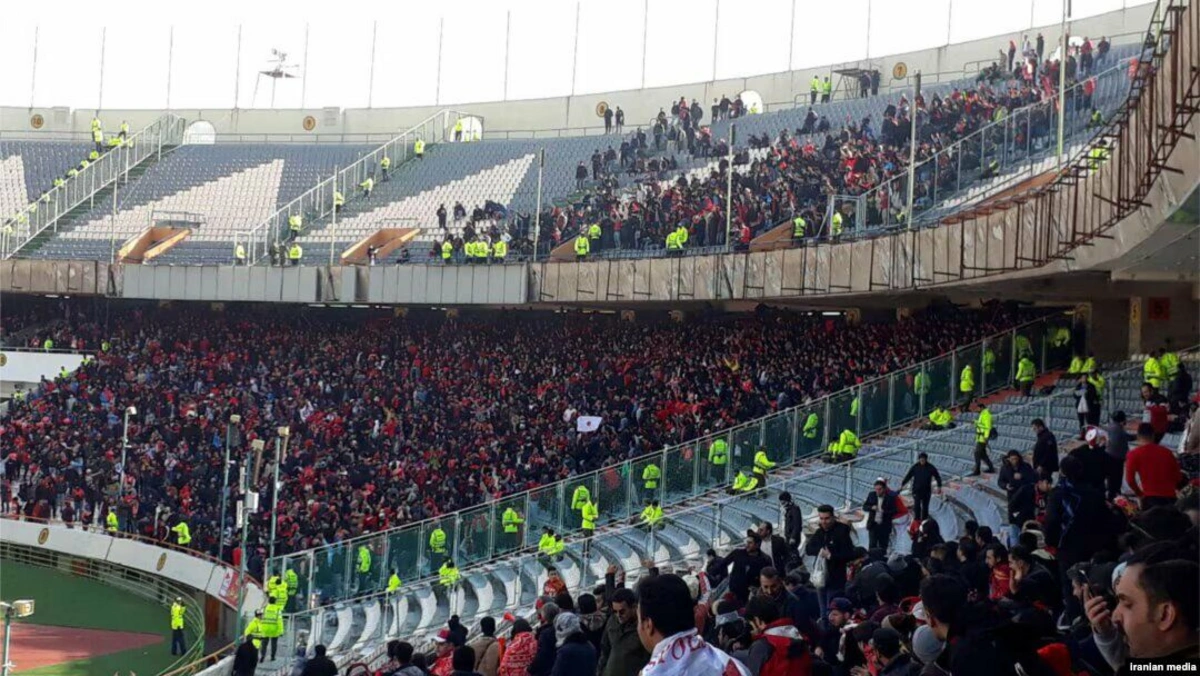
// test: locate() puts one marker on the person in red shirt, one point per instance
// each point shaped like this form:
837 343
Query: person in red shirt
1000 580
1152 470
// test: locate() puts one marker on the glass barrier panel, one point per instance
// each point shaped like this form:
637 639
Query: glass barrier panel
873 406
778 432
647 481
403 552
1059 342
614 493
440 538
475 527
744 443
843 413
997 363
941 383
330 567
679 474
906 400
712 474
511 541
545 511
810 430
973 357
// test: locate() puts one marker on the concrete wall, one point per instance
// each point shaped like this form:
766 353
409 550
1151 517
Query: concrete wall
576 112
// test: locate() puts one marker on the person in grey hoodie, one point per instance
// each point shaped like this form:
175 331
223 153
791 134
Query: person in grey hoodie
1117 448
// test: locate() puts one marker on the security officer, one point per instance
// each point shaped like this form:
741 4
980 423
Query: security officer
580 497
743 483
582 247
295 224
458 129
447 252
124 130
48 344
239 254
295 252
97 134
339 200
500 251
836 225
547 545
385 164
93 156
177 641
718 457
826 90
419 149
393 582
291 583
812 426
183 534
276 588
845 448
110 522
1098 156
437 544
1168 359
255 630
512 527
272 627
799 228
1096 120
762 464
1026 373
1097 381
983 432
651 515
939 419
673 244
989 361
681 235
1152 370
966 385
364 566
651 474
367 185
448 574
59 182
814 88
588 516
1089 364
594 232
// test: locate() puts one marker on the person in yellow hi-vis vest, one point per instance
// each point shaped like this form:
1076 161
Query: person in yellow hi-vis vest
364 567
448 574
582 247
580 497
718 458
272 628
419 149
393 582
651 475
110 522
458 129
385 164
177 640
966 386
254 630
291 583
587 523
295 225
183 535
652 515
743 483
762 464
239 254
512 527
295 253
437 546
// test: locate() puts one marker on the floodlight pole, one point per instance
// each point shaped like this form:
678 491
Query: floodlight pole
1062 78
729 185
912 152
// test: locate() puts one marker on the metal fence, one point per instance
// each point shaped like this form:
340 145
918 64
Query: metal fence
476 535
114 164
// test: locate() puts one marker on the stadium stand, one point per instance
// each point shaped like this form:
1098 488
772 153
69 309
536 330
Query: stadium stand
28 168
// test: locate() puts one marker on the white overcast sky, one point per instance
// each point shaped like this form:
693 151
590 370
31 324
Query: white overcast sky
194 47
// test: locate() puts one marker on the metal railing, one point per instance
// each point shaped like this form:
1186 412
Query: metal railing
114 164
317 202
476 536
1008 150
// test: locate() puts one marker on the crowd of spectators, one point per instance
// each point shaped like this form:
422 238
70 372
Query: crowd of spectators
397 419
1083 583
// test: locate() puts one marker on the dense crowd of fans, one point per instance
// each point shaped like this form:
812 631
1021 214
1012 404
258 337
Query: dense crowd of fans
1081 583
397 419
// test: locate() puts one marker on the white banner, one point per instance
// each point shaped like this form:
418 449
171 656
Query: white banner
588 423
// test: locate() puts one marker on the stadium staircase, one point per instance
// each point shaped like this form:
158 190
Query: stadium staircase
358 628
67 204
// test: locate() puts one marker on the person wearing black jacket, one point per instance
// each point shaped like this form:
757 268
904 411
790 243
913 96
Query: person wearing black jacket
922 475
745 565
543 660
319 665
1045 450
774 546
245 660
1017 478
1078 523
1087 404
880 507
831 541
793 523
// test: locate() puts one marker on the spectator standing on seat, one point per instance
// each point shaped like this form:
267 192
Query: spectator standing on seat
608 119
1045 450
1152 470
922 475
620 119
